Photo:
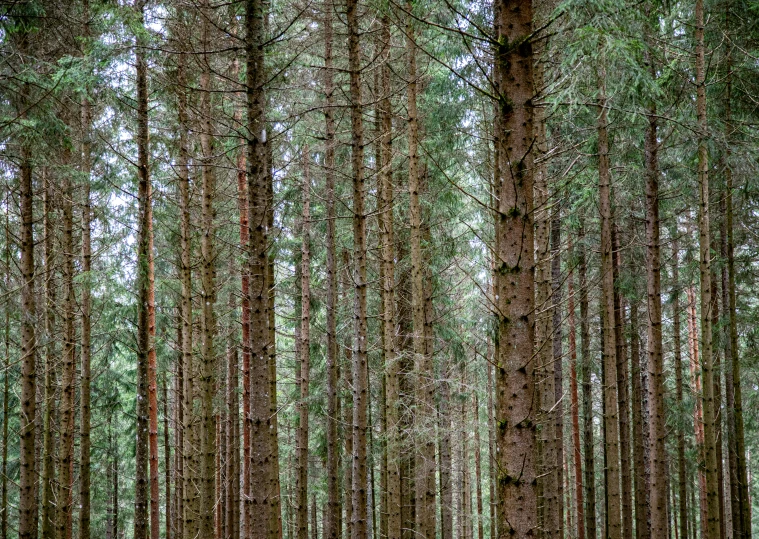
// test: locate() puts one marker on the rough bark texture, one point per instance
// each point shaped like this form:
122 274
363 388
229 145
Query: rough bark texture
425 449
446 468
85 307
332 520
360 365
587 396
622 392
167 471
513 275
65 498
348 408
146 299
657 434
189 500
682 493
557 360
548 478
704 241
48 509
742 523
388 299
478 468
263 498
640 483
6 381
575 405
611 421
27 505
207 430
301 443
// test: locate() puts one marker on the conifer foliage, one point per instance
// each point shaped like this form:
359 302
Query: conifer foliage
368 269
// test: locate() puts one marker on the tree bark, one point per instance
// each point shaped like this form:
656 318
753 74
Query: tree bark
657 434
741 523
48 513
587 394
425 449
641 485
305 349
444 426
611 420
207 432
558 372
260 510
681 474
360 367
577 453
548 478
478 468
704 235
65 498
189 500
146 401
623 397
389 323
27 505
6 382
698 412
166 460
85 306
513 274
332 521
348 408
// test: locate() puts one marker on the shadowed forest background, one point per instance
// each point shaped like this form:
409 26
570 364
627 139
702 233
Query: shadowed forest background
366 269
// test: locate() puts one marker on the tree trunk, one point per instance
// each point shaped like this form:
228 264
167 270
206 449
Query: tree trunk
189 499
704 241
207 373
513 275
305 349
478 468
698 413
232 457
622 392
548 478
260 510
27 504
360 366
387 239
332 521
425 449
177 512
611 420
444 429
65 498
167 459
577 453
587 395
657 434
48 515
491 446
641 486
115 512
85 306
681 475
348 408
146 402
6 376
718 406
558 373
741 523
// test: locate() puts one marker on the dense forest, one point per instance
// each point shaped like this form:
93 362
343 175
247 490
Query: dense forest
356 269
